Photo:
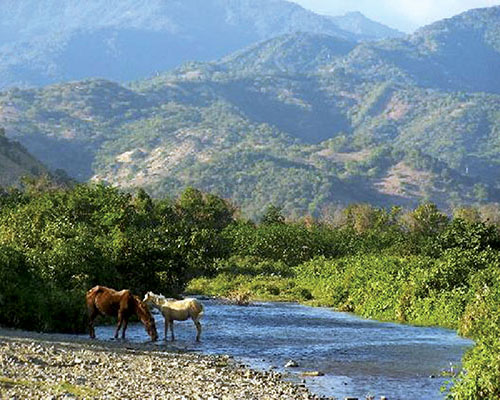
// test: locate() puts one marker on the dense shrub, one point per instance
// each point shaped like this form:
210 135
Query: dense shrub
460 290
480 378
59 242
252 266
27 302
15 289
295 243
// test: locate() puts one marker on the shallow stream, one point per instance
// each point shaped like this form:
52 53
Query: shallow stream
358 357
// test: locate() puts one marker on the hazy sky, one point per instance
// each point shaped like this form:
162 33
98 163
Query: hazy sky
405 15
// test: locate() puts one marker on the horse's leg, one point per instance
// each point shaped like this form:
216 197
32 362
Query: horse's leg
166 328
125 323
198 329
172 329
93 313
119 325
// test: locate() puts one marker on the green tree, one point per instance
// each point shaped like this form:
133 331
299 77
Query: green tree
426 220
272 215
480 192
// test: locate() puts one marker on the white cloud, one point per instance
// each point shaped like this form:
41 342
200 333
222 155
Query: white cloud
403 14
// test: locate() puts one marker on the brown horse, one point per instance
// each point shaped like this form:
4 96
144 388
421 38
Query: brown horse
122 304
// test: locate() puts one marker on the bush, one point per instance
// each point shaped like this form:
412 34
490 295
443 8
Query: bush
29 303
61 241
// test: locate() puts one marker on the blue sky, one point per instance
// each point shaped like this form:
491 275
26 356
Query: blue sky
405 15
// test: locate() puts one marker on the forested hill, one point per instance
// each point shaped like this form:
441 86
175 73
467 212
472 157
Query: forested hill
60 40
303 120
460 53
16 163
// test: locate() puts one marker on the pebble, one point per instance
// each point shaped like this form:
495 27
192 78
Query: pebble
312 373
49 367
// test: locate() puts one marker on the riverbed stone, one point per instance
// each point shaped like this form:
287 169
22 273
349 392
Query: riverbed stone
40 366
291 364
312 373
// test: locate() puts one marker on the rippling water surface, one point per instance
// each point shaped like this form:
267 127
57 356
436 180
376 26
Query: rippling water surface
358 357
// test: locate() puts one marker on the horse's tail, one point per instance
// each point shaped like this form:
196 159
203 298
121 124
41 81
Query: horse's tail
198 309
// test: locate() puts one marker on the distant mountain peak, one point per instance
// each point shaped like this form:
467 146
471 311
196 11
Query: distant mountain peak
354 14
357 23
294 53
125 40
480 20
458 53
16 162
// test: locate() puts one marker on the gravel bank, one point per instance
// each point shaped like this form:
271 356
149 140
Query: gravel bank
42 366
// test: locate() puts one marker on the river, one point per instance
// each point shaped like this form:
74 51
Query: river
358 357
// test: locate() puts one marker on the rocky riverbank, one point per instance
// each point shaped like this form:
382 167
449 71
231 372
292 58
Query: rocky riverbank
42 366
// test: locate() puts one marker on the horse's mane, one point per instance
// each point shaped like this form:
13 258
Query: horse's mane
141 308
164 299
158 297
159 300
96 289
161 297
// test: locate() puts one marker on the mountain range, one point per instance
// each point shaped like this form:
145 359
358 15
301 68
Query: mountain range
121 40
304 120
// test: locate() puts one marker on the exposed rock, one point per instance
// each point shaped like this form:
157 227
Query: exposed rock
312 373
131 155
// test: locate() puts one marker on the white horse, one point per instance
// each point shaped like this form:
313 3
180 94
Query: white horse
176 310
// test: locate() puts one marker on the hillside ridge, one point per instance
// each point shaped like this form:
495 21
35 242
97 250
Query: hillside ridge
306 121
124 40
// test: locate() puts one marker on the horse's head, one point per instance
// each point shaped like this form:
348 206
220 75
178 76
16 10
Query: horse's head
148 297
151 330
147 319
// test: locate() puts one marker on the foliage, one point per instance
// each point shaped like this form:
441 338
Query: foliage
419 266
29 302
251 279
61 242
481 320
272 215
291 243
